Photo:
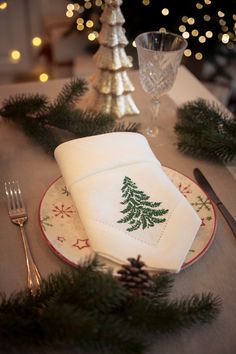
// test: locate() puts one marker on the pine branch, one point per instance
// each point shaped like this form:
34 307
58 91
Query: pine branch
204 130
101 291
162 285
41 120
95 312
18 106
71 92
85 123
189 311
88 123
168 317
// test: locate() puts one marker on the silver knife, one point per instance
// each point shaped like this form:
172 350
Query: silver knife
205 185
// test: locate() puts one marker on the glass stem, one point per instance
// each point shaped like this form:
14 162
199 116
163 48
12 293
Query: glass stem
152 129
155 106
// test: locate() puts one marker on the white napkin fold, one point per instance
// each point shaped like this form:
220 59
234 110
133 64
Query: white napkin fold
127 204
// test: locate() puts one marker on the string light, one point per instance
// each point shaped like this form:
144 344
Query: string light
89 24
80 27
202 39
80 20
98 2
220 14
186 35
195 33
222 22
3 5
15 55
184 19
182 28
165 12
69 13
88 5
225 28
199 6
36 41
70 7
209 34
76 6
91 36
198 56
187 52
43 77
206 18
191 21
225 38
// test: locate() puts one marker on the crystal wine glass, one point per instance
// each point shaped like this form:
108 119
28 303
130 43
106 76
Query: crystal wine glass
159 56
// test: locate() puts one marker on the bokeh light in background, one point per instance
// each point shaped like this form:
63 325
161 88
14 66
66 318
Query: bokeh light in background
205 24
43 77
3 5
15 55
36 41
209 26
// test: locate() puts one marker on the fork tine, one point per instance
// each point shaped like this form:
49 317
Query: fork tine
16 194
9 204
10 194
21 201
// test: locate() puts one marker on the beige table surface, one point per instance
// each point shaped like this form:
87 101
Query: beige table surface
21 159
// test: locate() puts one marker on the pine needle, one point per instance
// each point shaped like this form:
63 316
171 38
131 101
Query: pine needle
204 130
49 124
23 105
93 311
71 92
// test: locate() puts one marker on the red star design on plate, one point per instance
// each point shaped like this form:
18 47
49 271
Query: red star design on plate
185 190
203 222
61 238
81 243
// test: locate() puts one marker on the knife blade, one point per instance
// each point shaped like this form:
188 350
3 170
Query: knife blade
205 185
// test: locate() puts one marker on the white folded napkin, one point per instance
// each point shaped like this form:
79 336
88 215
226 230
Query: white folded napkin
127 204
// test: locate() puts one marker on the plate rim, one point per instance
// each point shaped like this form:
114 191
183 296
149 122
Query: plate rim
184 266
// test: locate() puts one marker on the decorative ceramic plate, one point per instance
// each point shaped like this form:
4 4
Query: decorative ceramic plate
63 230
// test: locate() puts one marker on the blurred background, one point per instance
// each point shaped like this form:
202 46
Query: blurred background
49 39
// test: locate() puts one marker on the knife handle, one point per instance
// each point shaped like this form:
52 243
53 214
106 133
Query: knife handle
228 217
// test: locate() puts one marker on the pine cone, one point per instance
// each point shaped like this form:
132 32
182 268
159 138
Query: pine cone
136 279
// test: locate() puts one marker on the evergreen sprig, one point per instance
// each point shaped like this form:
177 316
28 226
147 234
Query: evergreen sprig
204 130
90 309
50 123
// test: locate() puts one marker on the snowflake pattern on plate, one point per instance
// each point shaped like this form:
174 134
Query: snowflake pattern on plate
64 232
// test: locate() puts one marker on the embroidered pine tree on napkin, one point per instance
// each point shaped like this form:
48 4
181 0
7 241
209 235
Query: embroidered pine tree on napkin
140 212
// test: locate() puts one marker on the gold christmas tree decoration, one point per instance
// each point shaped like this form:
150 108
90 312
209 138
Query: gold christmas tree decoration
111 85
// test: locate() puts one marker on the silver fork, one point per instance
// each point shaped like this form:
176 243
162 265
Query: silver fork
18 216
